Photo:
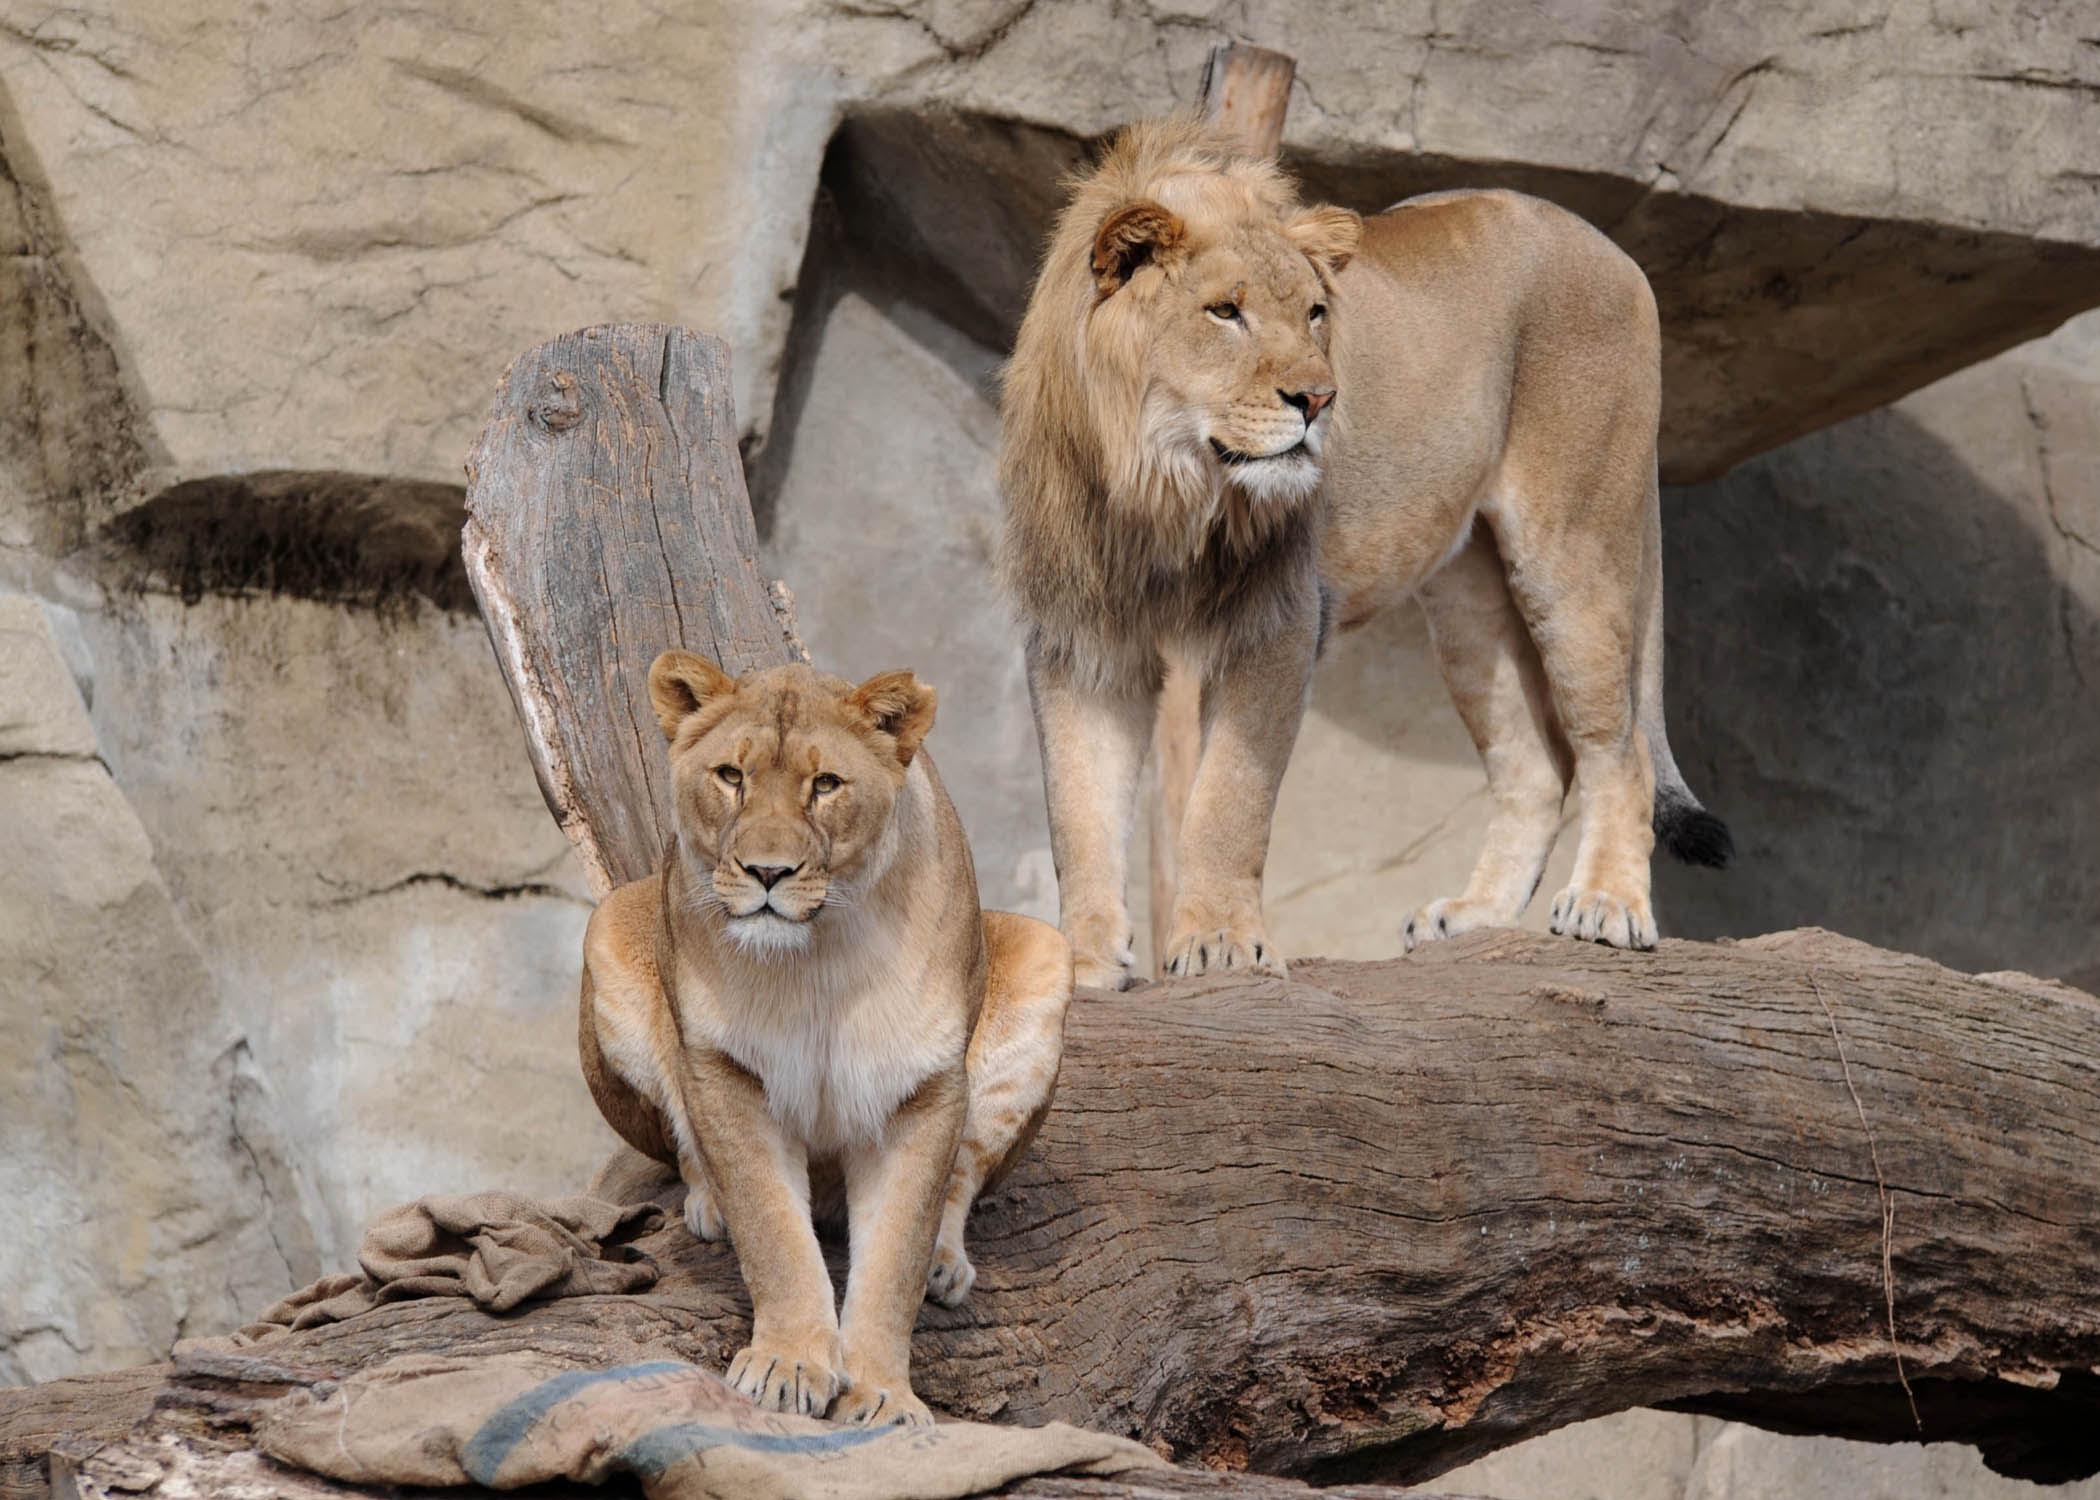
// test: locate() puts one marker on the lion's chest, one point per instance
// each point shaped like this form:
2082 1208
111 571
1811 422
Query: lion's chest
835 1068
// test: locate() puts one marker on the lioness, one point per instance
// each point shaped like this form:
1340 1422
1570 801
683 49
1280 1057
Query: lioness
1230 418
807 983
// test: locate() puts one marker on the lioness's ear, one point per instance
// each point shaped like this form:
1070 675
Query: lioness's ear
1327 234
1134 235
899 705
679 682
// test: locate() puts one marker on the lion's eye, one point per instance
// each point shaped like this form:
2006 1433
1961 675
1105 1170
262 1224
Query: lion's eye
730 775
1224 312
826 783
1319 311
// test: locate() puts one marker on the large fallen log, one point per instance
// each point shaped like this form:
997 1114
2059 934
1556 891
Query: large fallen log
1382 1218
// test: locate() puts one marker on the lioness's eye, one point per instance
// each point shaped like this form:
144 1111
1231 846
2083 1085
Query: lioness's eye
1319 311
825 783
1224 312
730 775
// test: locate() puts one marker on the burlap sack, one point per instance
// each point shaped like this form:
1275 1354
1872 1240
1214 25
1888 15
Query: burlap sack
500 1249
509 1420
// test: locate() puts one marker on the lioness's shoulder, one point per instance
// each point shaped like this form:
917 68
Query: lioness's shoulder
621 935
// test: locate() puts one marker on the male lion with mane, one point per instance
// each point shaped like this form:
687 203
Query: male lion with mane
1231 419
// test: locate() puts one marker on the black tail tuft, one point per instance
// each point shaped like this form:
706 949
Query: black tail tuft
1693 834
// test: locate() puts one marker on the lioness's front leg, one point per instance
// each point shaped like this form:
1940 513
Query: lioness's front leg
1252 705
761 1181
894 1188
1094 740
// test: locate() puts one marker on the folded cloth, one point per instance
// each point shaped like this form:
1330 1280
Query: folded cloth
504 1421
500 1249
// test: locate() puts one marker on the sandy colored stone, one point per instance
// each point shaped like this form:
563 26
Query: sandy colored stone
310 246
1884 642
346 819
1743 1463
145 1181
885 522
1633 1455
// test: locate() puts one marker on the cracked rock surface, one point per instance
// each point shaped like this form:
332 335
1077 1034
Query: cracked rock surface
146 1187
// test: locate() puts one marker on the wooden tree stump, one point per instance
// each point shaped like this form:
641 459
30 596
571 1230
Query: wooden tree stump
1382 1218
606 522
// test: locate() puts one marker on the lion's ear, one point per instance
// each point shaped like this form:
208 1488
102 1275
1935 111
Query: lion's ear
899 705
1328 235
1135 235
679 683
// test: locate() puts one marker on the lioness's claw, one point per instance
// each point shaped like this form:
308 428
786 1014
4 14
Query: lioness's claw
1600 917
1445 919
783 1377
1222 951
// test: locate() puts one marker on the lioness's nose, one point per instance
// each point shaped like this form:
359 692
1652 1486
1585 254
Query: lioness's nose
770 875
1309 402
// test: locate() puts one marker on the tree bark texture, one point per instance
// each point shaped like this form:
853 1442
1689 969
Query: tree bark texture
607 522
1379 1219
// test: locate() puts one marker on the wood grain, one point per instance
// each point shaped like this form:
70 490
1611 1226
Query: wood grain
608 521
1247 90
1382 1218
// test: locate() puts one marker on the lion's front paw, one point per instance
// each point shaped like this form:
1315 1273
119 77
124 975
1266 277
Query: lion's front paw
949 1279
703 1216
799 1374
1098 974
1102 953
1220 950
1447 919
881 1400
1598 916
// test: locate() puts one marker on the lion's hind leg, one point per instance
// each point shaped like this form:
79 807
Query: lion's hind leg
1580 590
1012 1066
1495 678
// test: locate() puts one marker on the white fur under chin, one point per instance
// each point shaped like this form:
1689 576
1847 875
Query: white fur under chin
766 934
1277 481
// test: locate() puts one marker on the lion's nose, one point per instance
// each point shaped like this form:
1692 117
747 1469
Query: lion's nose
770 875
1309 402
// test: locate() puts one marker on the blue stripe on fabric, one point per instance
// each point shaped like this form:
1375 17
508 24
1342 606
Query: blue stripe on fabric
653 1452
499 1436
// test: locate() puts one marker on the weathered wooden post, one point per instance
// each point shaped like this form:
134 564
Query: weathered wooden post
607 521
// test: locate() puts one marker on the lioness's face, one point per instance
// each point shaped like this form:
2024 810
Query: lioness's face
1236 311
786 783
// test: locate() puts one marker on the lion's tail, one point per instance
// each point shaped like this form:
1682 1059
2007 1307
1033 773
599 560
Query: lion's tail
1682 825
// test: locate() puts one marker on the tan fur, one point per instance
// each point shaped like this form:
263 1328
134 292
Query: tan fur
1493 365
805 1004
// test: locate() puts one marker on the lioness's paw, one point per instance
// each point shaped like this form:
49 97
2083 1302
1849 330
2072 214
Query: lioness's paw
1599 917
949 1279
1446 919
703 1216
1222 950
791 1375
873 1402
